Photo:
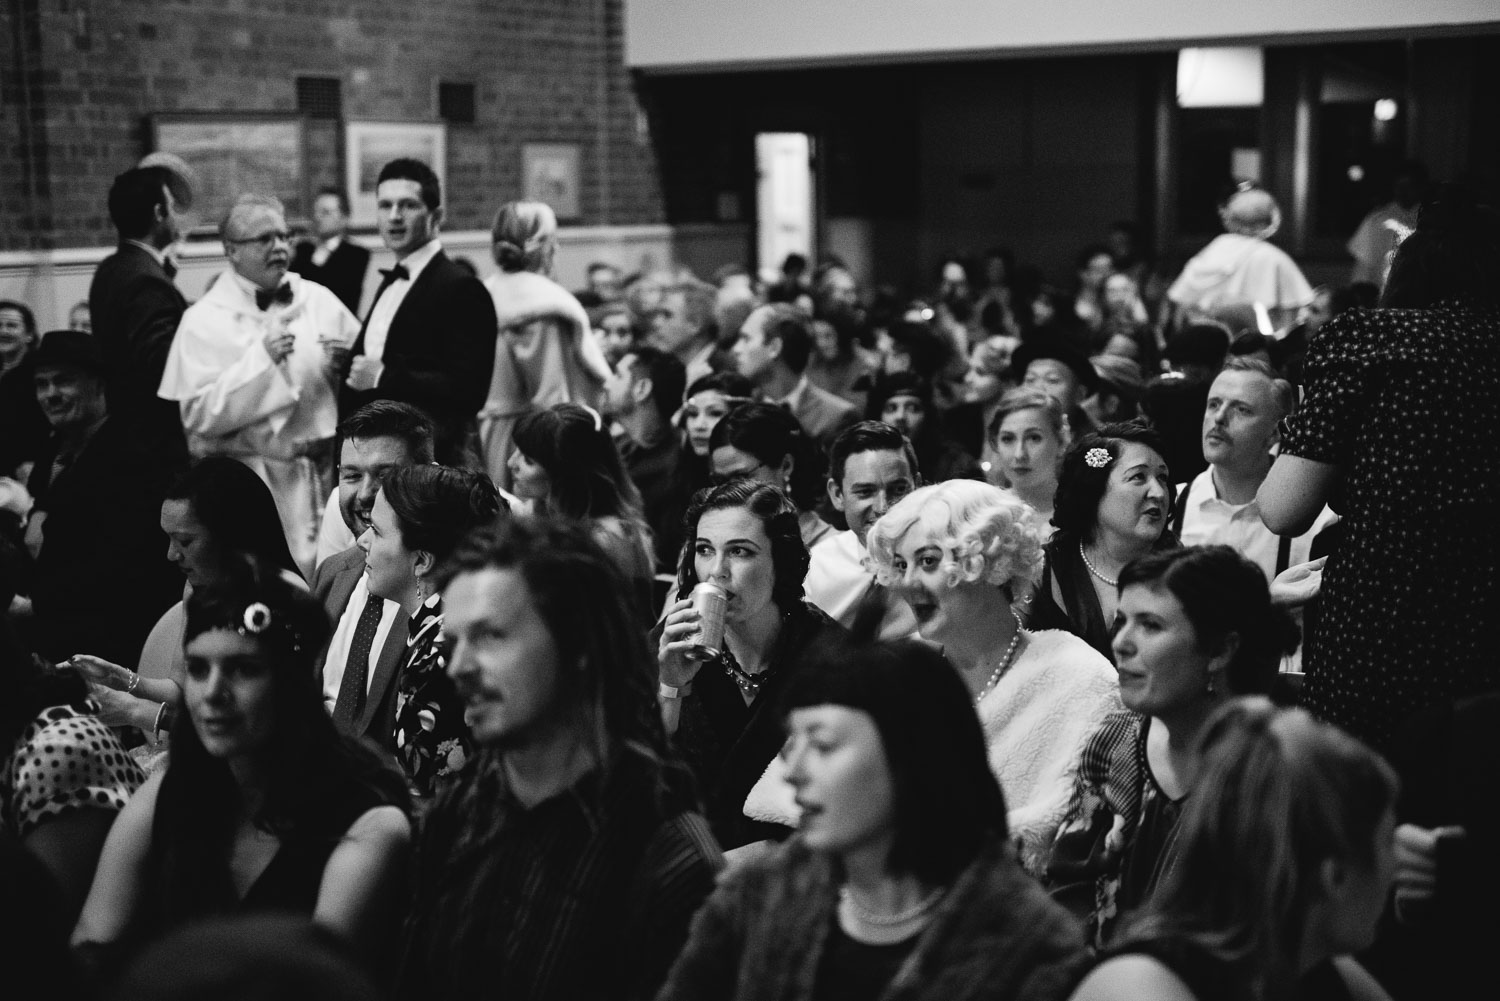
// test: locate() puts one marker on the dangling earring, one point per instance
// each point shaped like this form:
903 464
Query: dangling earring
1212 688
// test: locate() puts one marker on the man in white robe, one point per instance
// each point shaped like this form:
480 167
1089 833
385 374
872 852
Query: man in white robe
255 366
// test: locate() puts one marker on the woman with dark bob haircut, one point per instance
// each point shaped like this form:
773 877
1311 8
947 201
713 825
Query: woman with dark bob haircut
901 881
1114 498
741 535
765 443
1283 864
263 805
1197 628
419 517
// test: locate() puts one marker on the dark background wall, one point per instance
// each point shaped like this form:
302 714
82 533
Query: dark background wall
79 78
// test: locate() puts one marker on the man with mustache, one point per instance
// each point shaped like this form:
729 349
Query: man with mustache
1246 402
255 368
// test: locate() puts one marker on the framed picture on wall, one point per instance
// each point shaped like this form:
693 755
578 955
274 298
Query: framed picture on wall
369 146
549 173
237 154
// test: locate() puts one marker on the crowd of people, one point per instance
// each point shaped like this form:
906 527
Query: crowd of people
675 638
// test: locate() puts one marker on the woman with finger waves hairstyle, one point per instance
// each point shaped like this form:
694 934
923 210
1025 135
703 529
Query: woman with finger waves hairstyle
956 552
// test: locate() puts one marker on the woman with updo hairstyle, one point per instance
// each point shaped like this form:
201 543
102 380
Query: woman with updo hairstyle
743 536
546 352
565 463
901 881
263 805
766 443
1397 431
1027 437
1281 871
419 517
1114 498
956 552
986 380
1197 628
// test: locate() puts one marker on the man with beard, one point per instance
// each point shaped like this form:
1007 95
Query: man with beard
255 368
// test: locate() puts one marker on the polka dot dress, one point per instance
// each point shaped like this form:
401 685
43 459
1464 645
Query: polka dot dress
1406 403
64 760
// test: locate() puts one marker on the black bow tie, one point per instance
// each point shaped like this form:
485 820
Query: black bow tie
169 267
395 274
281 294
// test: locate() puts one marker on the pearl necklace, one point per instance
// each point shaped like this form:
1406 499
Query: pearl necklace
1001 667
885 922
1111 581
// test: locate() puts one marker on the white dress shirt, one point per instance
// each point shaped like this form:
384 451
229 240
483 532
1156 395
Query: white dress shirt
385 308
343 636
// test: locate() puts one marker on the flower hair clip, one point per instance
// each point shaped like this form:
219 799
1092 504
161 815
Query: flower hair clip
256 619
1097 458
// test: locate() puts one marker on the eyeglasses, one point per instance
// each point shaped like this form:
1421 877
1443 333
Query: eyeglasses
266 239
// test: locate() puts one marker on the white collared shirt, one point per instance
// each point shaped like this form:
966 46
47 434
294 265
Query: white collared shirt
343 637
793 399
385 308
325 250
159 255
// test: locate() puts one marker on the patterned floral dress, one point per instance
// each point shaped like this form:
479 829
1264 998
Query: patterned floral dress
1405 403
432 740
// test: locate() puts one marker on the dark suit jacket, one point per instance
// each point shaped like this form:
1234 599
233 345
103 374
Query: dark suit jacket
343 273
102 578
440 351
333 584
136 309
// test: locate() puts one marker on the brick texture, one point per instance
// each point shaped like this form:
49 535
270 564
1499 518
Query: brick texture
81 79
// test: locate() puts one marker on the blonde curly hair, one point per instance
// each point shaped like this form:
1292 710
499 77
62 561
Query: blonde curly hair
986 534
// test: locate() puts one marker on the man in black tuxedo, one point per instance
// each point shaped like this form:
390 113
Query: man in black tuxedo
333 261
136 308
429 338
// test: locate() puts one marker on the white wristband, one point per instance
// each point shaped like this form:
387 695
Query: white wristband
668 692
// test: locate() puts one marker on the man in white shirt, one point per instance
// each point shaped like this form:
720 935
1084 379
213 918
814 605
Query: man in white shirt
374 440
871 467
254 372
1245 403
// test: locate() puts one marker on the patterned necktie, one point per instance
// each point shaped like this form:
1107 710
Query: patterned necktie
357 668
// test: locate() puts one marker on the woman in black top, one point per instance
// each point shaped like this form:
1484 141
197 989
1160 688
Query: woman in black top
743 536
1114 497
264 806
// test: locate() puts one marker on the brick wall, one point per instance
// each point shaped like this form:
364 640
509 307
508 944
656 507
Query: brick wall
81 78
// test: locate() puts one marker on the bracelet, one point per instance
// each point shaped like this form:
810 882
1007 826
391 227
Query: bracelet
666 691
156 727
135 679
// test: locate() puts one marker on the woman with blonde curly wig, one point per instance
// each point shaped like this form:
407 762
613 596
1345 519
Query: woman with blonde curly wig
957 552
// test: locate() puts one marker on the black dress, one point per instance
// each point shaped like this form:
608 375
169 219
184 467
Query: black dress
1404 403
728 744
